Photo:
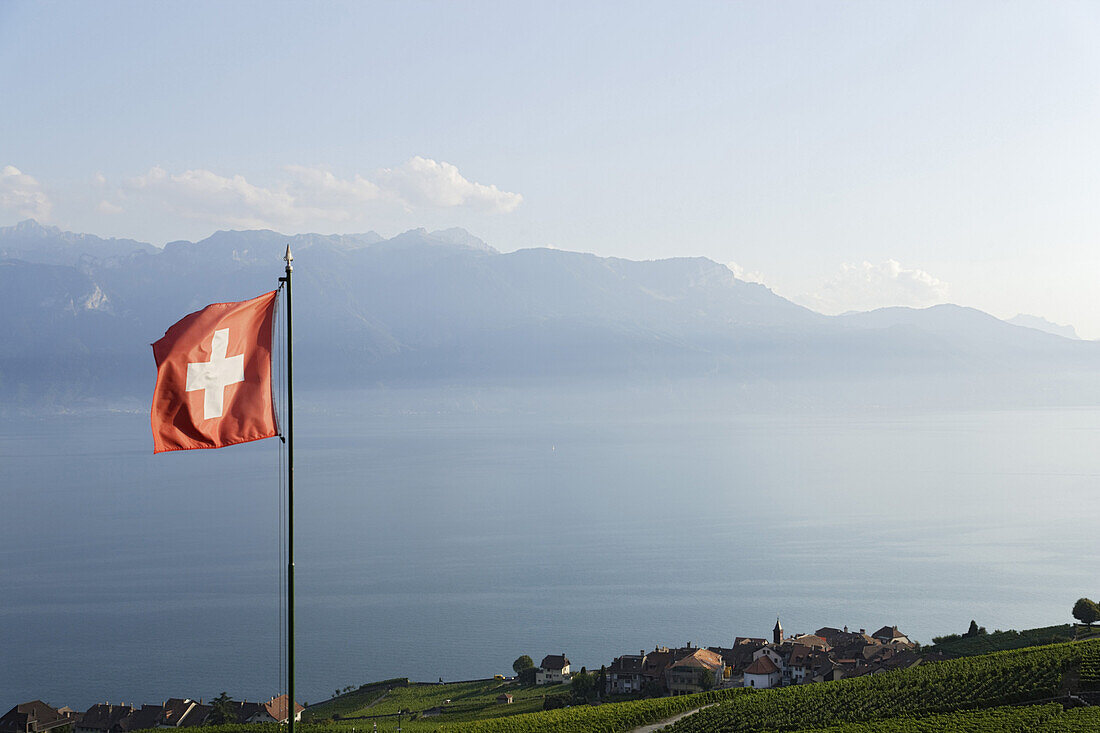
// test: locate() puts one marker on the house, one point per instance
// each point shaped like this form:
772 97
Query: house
772 652
811 640
196 715
176 710
654 665
149 716
104 718
273 711
750 640
803 663
140 720
891 635
625 675
553 670
33 717
687 674
504 699
762 674
741 654
826 670
244 711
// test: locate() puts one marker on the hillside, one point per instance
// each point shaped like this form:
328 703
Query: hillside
966 646
1017 690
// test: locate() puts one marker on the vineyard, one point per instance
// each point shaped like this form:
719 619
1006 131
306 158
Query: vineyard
998 641
610 718
1049 718
993 720
965 695
457 701
1081 720
1001 678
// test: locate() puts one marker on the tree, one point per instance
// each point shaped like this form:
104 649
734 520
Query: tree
973 630
583 684
652 688
706 679
527 676
522 662
222 709
601 681
1086 611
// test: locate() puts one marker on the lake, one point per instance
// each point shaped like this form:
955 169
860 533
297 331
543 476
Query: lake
441 533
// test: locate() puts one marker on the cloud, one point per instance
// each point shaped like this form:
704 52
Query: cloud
867 286
424 182
323 190
203 194
106 207
23 195
311 195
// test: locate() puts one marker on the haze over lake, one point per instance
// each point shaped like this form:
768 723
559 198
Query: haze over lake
441 532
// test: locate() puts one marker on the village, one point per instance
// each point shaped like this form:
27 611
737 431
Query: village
755 662
759 663
38 717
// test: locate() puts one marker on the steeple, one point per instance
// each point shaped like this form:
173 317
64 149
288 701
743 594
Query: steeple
777 632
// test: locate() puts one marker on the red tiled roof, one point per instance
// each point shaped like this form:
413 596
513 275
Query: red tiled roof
276 708
763 665
700 658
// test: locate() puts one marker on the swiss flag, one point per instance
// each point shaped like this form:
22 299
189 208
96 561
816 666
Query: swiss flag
214 377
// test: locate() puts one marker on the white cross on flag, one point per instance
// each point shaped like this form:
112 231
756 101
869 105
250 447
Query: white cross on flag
214 377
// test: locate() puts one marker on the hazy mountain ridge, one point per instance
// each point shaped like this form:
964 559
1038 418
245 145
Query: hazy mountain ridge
1042 324
445 306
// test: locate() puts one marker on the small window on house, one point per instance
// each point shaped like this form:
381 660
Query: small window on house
752 683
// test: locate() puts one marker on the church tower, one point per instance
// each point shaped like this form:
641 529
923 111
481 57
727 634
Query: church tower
777 632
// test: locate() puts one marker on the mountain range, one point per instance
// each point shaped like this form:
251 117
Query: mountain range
443 307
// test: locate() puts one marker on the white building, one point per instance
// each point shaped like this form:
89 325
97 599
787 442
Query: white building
762 674
553 670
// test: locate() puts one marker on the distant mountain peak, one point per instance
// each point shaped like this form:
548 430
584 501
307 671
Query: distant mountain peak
459 236
454 237
30 228
1042 324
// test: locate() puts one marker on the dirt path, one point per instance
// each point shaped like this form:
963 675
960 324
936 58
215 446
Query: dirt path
652 727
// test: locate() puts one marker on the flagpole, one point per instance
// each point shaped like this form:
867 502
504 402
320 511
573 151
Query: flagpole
289 495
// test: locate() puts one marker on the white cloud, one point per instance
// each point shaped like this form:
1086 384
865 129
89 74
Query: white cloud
867 286
311 195
203 194
325 190
106 207
23 194
424 182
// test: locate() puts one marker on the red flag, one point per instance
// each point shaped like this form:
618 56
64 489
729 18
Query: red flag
214 377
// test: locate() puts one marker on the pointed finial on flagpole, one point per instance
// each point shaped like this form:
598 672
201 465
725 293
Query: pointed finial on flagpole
288 257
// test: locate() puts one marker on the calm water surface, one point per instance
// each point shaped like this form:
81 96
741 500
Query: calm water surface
442 535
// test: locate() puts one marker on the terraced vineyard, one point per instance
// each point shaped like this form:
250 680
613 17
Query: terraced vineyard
610 718
457 700
1090 669
1081 720
966 695
999 641
994 720
1022 675
1049 718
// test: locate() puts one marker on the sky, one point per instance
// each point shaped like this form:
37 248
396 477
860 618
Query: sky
848 155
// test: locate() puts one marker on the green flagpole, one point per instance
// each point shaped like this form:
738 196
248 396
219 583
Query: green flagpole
289 495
